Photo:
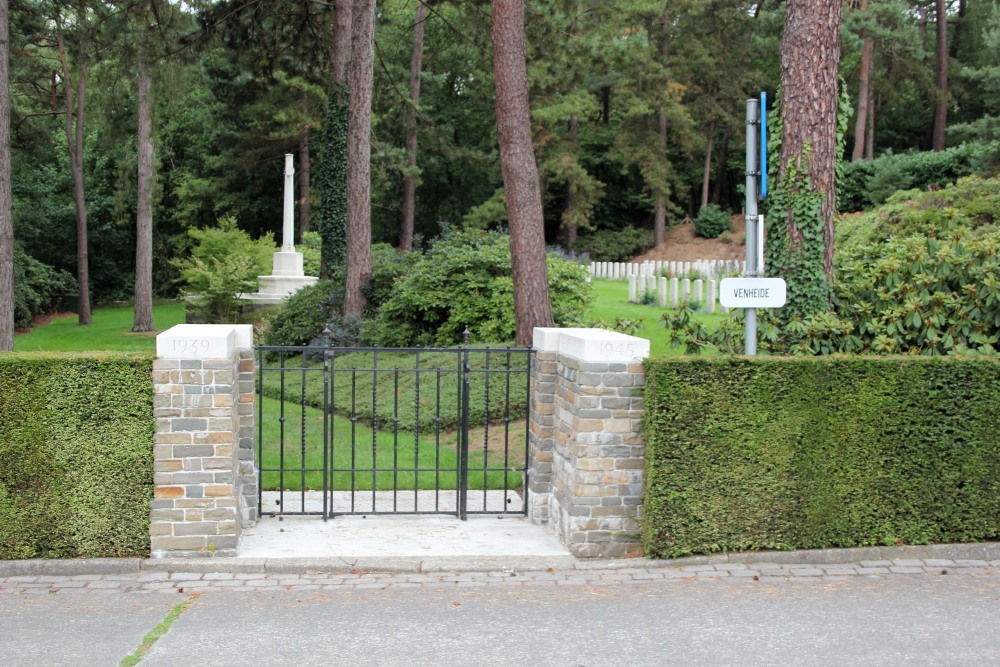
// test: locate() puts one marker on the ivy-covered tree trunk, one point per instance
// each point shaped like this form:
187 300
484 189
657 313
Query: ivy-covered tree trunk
359 183
803 203
331 177
532 307
305 205
6 217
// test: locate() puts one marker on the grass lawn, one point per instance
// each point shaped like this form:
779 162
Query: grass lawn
385 458
110 329
611 301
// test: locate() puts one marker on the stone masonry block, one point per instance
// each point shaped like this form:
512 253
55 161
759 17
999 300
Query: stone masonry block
189 543
196 528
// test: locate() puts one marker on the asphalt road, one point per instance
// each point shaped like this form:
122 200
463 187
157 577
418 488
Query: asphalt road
613 619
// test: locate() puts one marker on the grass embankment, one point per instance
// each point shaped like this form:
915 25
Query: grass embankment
110 329
361 456
414 406
611 301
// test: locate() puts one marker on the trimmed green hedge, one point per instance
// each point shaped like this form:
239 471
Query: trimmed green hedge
76 455
800 453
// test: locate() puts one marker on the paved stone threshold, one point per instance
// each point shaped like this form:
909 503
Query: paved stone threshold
212 574
348 579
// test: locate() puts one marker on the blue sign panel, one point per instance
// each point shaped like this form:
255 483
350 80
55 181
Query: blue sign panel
763 145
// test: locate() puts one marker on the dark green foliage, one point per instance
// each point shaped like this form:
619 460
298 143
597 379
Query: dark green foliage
869 183
76 455
38 288
302 317
711 222
971 203
765 453
388 266
464 280
331 181
614 245
919 275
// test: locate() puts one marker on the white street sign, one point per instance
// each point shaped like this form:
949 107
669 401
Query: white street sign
752 293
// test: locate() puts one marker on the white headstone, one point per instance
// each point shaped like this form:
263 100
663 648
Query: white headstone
663 292
712 296
632 298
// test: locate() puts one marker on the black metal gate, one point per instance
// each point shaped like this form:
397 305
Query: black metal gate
369 430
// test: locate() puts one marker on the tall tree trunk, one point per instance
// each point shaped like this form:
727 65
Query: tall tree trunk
332 223
956 34
606 104
864 89
810 53
720 168
706 173
74 142
340 54
6 215
870 132
410 181
305 203
143 320
660 206
660 209
941 103
359 125
532 305
573 194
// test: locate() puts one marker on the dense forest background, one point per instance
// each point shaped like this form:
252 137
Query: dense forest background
637 110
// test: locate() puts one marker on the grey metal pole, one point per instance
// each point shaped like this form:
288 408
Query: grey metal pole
753 123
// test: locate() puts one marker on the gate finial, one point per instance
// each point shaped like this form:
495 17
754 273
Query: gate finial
465 336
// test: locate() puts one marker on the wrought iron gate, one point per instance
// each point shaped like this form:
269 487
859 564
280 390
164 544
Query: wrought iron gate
370 430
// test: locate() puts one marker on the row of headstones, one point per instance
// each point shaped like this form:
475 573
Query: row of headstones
673 291
704 268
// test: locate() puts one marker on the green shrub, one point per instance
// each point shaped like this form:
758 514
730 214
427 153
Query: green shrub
971 203
869 183
919 275
711 221
224 264
302 317
38 288
614 245
465 280
311 249
76 455
772 453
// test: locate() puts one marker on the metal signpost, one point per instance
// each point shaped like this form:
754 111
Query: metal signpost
752 292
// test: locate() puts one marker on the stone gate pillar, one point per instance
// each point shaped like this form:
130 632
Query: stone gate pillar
585 479
205 482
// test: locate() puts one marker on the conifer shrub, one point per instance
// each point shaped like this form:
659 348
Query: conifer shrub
76 455
807 453
711 222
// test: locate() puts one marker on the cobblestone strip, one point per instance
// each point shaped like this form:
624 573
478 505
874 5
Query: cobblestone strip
194 582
